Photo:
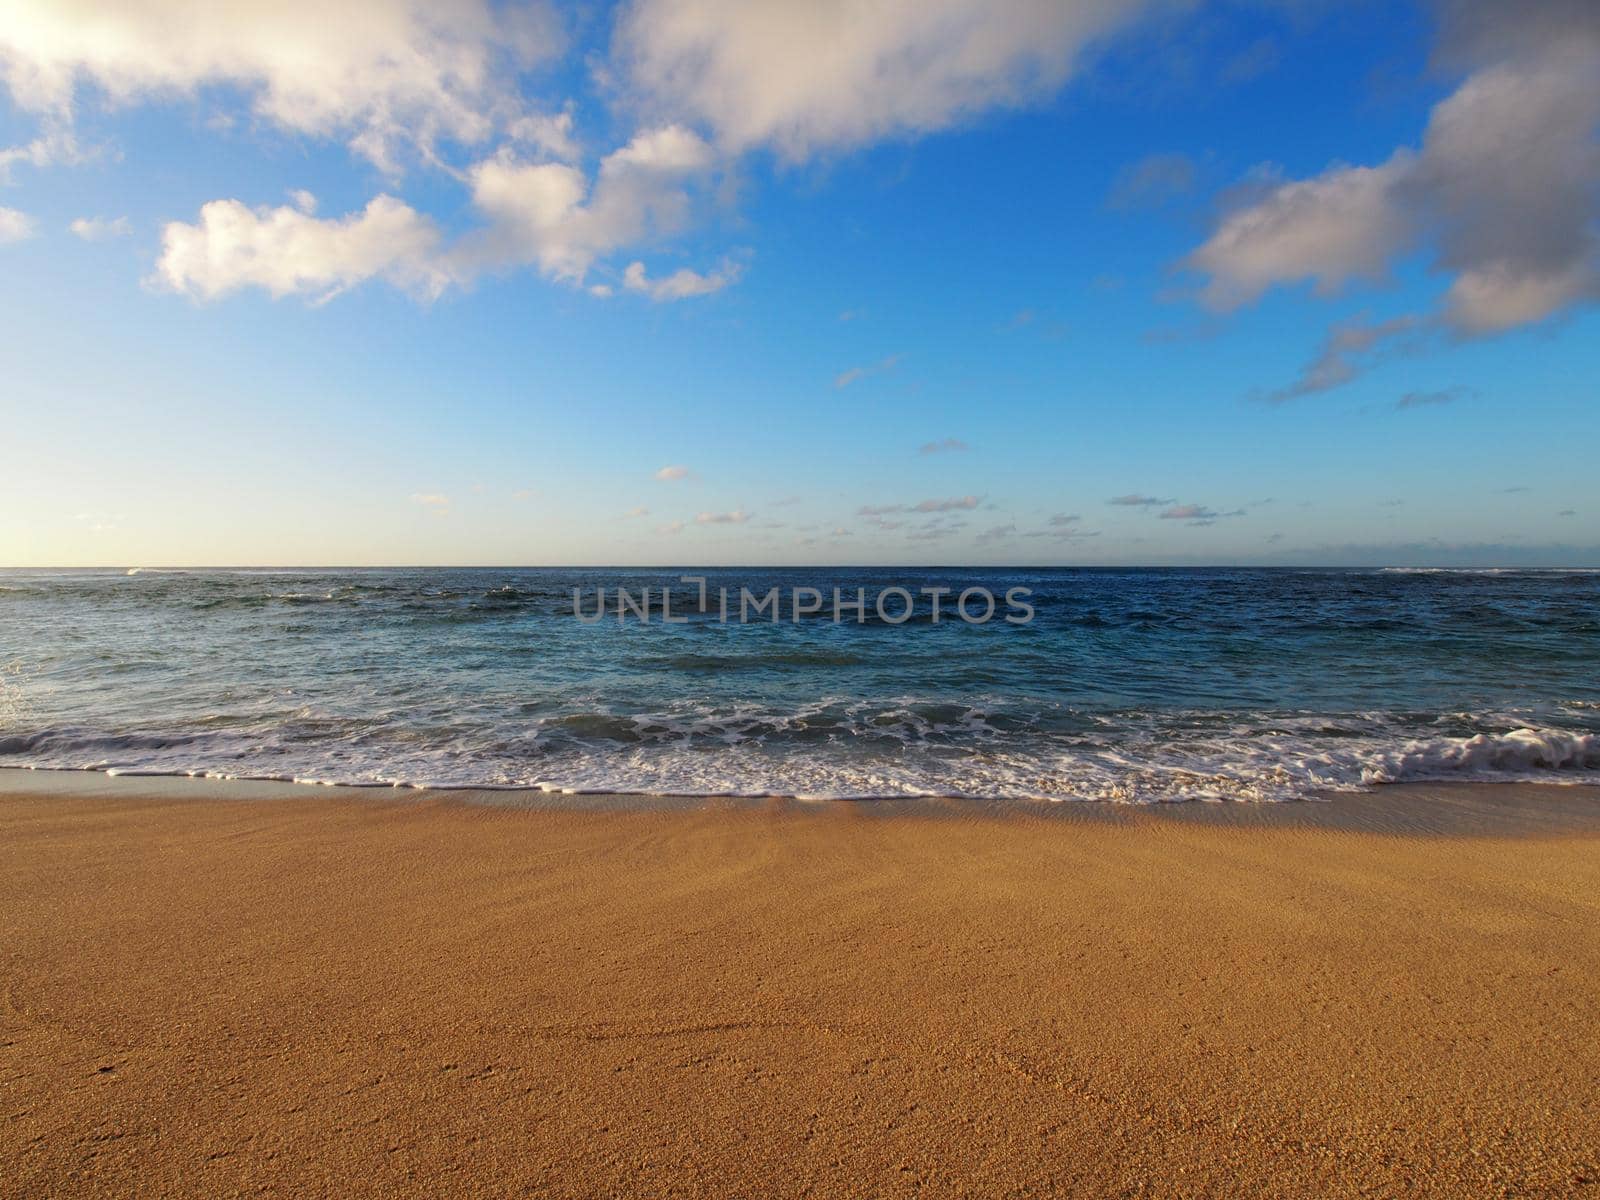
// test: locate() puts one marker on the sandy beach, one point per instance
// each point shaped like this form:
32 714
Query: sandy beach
211 993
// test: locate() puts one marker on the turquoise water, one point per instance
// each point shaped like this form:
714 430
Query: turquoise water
1145 685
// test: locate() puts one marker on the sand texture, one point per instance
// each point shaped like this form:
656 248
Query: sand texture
335 997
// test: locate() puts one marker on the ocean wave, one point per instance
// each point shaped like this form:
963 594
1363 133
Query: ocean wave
1520 751
927 749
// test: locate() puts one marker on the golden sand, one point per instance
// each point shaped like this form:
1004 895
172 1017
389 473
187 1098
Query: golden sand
333 996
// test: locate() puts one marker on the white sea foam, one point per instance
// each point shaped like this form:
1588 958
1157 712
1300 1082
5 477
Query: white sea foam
1519 751
734 759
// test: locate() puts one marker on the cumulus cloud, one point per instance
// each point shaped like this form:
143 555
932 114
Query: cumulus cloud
99 229
14 226
737 517
845 378
947 445
538 213
550 134
673 473
1503 187
1512 169
433 501
1331 229
378 73
545 213
289 251
829 75
640 511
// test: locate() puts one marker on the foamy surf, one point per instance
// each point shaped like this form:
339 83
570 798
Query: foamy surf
1266 769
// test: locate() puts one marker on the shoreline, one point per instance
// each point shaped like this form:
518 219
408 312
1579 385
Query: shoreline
317 994
1474 808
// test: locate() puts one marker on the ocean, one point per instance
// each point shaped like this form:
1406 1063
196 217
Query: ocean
1125 685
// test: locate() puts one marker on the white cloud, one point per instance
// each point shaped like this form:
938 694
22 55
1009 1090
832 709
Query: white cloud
14 226
640 511
549 133
287 251
56 143
380 73
433 501
1503 187
737 517
1338 226
545 213
829 74
681 284
673 473
98 229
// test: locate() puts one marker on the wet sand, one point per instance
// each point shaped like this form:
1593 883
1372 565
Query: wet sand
279 991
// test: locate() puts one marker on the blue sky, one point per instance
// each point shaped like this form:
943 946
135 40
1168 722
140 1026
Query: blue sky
683 281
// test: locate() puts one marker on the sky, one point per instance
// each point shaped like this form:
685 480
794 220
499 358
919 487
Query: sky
753 282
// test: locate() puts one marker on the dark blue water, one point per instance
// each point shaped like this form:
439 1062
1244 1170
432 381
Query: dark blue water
1134 685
